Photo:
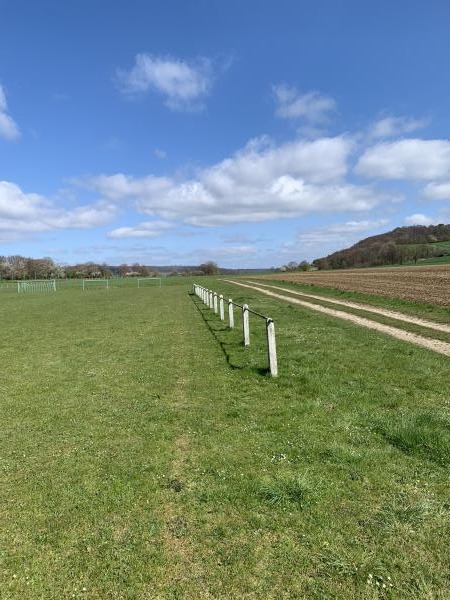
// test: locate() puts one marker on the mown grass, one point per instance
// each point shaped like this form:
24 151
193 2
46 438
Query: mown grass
149 455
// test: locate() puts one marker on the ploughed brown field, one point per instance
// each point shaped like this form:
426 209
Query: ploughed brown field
424 284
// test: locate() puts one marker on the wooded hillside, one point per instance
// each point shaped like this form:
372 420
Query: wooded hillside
401 245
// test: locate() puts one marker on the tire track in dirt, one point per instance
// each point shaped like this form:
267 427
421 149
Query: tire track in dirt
400 334
392 314
429 284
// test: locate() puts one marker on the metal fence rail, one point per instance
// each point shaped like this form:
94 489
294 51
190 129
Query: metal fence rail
216 302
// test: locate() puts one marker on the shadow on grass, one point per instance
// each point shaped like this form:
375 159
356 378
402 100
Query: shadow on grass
424 433
218 330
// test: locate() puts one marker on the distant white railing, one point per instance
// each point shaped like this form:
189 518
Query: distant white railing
216 302
90 283
36 285
145 281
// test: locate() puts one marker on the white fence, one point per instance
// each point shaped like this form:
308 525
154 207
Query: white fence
216 302
95 283
36 285
145 281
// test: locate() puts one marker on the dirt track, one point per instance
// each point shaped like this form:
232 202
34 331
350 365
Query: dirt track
392 314
420 284
429 343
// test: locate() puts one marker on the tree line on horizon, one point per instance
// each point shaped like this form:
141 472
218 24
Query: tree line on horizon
20 267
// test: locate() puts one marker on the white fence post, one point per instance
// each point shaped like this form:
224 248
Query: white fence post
221 310
271 348
246 325
215 301
230 314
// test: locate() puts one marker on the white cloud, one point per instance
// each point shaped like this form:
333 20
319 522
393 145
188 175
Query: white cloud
437 191
312 106
259 183
319 242
119 187
311 132
16 205
230 251
22 213
317 161
240 238
159 153
339 234
184 84
8 127
3 103
358 226
395 126
81 217
411 159
316 239
419 219
150 229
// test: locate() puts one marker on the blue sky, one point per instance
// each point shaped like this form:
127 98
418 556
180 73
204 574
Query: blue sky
250 133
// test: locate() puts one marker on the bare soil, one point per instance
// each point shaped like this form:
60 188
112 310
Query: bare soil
424 284
392 314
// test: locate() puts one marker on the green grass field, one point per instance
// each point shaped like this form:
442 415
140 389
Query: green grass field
445 245
147 454
434 260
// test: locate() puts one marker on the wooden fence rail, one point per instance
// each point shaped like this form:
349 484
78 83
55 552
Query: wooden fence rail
216 302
